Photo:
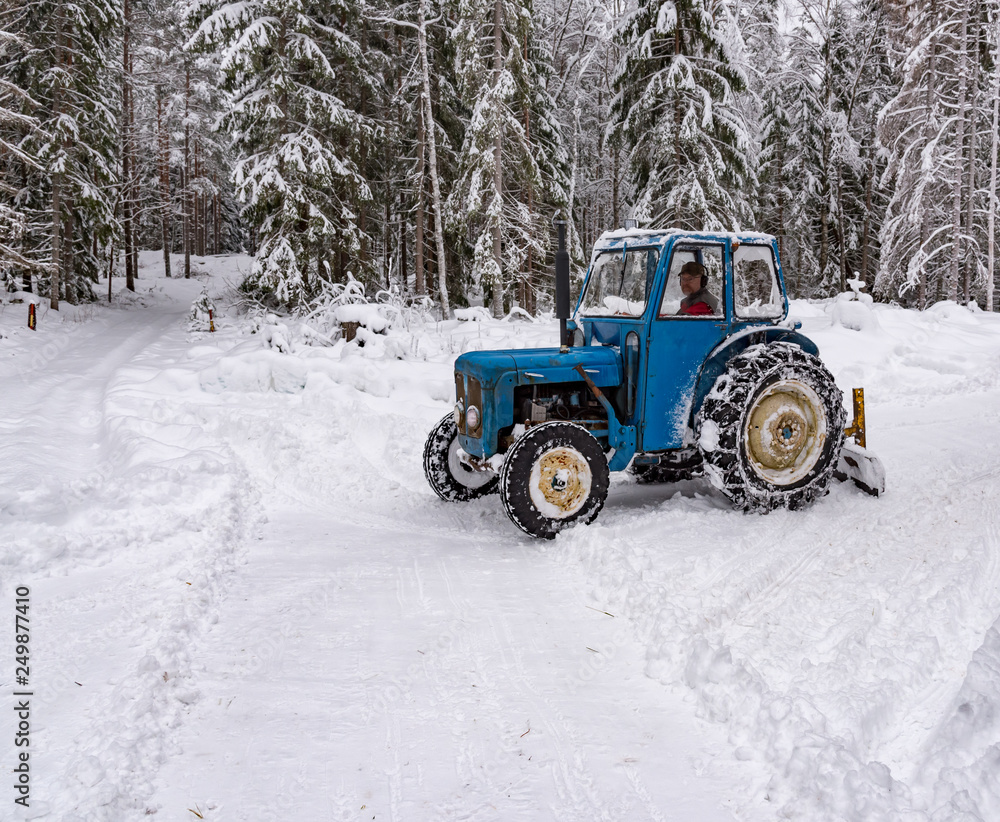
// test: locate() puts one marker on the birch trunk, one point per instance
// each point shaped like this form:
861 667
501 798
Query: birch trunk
931 85
497 171
969 263
991 220
962 112
866 231
418 251
432 157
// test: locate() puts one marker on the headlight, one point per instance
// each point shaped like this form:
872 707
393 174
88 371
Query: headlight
458 412
472 418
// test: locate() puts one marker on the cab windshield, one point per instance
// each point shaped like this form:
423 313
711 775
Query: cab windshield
620 282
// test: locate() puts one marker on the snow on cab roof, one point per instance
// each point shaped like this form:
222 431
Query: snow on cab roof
613 237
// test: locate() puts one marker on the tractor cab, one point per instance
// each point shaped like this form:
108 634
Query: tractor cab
633 298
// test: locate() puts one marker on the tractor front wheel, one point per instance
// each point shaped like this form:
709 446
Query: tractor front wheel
554 476
772 428
451 479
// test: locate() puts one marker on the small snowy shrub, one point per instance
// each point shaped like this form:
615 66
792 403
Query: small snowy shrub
274 333
203 311
853 310
342 303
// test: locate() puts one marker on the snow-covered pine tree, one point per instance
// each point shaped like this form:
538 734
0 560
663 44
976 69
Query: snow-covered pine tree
289 65
675 113
65 61
513 167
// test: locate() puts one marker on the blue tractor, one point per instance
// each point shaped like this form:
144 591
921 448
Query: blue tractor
678 362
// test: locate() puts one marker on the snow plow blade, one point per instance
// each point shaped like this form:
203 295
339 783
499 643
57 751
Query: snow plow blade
863 467
856 461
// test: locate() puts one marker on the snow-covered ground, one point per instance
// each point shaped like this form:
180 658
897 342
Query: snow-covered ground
246 603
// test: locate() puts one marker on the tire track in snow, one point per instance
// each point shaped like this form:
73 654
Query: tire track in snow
164 550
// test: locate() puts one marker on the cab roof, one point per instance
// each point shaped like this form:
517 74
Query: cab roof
621 236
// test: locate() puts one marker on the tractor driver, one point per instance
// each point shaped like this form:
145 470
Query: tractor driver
698 300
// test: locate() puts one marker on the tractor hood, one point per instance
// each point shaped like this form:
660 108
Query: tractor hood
543 365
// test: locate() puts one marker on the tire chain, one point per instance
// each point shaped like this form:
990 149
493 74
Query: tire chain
727 404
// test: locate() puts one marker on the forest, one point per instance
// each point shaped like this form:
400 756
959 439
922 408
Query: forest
424 148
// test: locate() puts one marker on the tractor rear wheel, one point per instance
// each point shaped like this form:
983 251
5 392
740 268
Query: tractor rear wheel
772 428
554 476
451 479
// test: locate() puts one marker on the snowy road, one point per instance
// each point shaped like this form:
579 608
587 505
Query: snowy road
361 654
248 605
361 670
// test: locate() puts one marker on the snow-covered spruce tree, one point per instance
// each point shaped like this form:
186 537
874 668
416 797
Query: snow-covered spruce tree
871 89
65 60
185 198
513 167
676 115
16 122
768 98
584 57
288 65
930 131
412 165
819 97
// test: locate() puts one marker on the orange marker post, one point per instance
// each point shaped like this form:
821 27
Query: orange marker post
31 316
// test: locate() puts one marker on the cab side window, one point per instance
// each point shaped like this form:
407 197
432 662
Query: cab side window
755 283
695 283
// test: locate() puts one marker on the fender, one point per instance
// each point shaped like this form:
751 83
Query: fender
716 362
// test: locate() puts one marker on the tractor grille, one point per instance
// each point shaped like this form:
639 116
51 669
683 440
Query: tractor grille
474 396
476 399
460 398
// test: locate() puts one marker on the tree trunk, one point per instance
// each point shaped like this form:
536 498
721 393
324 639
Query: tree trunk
951 291
527 284
497 171
216 217
992 218
403 274
930 85
187 175
163 145
127 227
432 157
57 176
418 250
68 259
841 232
866 231
780 185
970 258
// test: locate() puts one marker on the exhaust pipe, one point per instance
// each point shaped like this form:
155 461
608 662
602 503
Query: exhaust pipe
562 284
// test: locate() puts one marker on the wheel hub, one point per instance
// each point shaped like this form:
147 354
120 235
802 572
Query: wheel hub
462 472
785 433
560 482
